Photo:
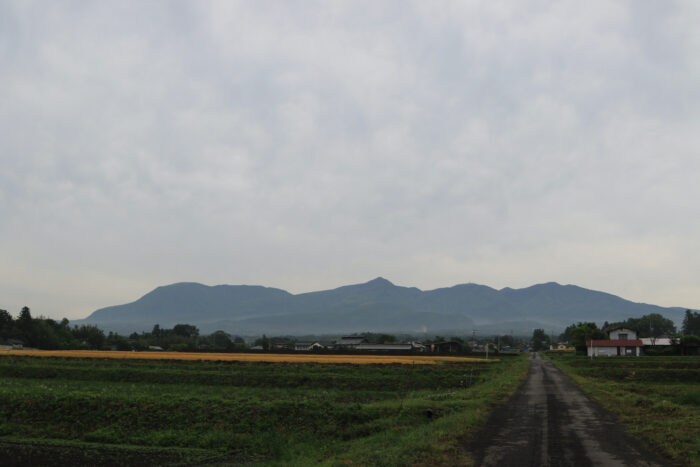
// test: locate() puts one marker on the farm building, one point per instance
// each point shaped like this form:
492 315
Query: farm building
622 341
349 342
306 346
446 347
562 346
15 343
658 341
385 347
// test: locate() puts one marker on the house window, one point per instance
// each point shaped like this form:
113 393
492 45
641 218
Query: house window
623 336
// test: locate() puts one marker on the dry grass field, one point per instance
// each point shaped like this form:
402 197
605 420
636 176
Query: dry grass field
249 357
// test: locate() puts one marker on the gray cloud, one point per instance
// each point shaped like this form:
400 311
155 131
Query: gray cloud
307 145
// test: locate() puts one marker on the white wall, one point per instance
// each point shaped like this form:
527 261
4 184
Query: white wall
615 334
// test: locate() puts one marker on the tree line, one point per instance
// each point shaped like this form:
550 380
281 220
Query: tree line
48 334
652 325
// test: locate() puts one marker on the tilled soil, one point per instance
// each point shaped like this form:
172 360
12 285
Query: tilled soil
550 422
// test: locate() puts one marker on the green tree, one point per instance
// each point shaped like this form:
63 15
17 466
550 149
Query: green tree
581 332
651 325
93 336
540 340
114 340
6 324
506 340
186 330
386 339
691 323
220 340
25 317
263 341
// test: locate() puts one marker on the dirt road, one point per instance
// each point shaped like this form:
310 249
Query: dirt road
550 422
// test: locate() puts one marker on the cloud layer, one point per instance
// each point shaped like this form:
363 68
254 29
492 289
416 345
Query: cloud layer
306 145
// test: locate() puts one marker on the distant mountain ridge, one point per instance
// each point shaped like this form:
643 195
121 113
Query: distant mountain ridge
377 305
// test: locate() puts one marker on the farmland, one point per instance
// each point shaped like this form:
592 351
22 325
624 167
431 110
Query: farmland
247 357
79 410
657 398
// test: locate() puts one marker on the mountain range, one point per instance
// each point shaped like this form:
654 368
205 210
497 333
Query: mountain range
375 306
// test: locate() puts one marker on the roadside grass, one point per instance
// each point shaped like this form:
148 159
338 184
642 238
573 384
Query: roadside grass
656 398
249 413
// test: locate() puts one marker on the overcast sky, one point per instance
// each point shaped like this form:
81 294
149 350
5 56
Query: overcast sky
308 145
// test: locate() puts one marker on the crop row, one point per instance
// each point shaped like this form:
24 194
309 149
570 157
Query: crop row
248 413
667 375
22 452
679 363
245 426
258 375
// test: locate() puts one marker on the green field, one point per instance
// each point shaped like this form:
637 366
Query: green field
79 411
657 398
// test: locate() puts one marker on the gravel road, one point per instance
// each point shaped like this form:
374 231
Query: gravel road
550 422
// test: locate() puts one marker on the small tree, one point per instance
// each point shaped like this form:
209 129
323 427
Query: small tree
25 317
186 330
581 332
691 323
220 340
652 325
91 335
539 340
6 323
263 341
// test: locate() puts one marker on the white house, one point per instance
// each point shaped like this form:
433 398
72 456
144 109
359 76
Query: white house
307 346
622 341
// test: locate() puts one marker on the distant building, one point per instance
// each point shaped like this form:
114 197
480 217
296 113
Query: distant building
282 346
417 346
349 342
15 343
658 341
308 346
446 347
385 347
622 341
562 347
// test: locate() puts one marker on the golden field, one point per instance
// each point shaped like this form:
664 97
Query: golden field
248 357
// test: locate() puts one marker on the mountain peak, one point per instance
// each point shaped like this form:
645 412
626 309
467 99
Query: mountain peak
380 281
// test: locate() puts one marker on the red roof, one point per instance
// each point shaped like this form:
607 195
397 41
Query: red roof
615 343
